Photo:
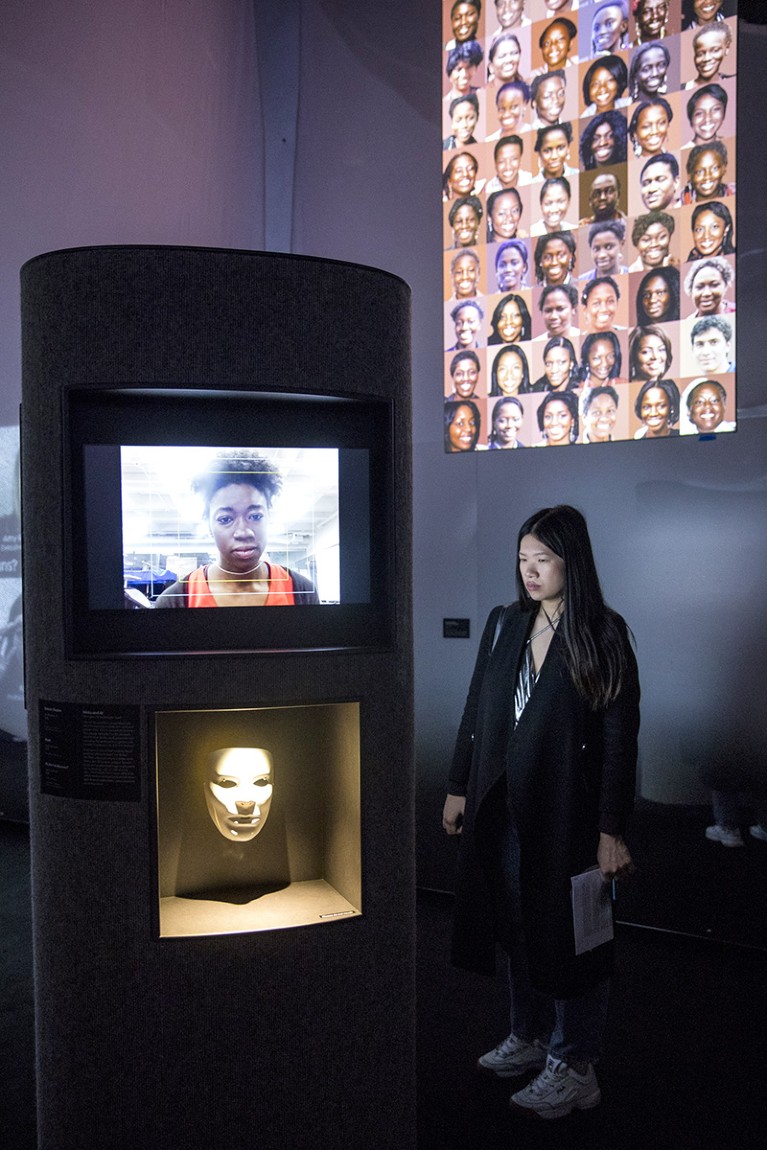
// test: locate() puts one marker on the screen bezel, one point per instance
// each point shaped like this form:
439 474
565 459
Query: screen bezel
159 416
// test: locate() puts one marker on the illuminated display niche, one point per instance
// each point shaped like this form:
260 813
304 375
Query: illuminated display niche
223 866
589 221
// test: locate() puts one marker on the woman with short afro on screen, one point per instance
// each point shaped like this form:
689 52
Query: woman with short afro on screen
237 488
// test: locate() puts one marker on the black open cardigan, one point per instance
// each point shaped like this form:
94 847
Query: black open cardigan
570 773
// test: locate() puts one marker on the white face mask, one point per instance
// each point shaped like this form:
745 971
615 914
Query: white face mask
238 791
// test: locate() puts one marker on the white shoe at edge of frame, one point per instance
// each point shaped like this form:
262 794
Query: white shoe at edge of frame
558 1090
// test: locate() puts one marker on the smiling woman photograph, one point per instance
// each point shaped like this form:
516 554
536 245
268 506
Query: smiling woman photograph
601 360
554 201
464 219
465 369
707 173
552 146
650 353
511 14
511 265
462 425
507 158
558 419
604 86
510 321
554 259
548 94
604 141
711 47
600 414
609 27
707 283
651 236
649 127
507 419
540 789
696 13
651 20
464 21
465 275
712 234
467 322
237 491
657 298
648 74
600 301
460 177
555 42
504 212
560 366
706 110
461 68
510 373
503 59
512 103
703 408
464 117
657 408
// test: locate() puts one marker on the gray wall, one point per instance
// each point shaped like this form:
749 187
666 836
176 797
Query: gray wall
125 121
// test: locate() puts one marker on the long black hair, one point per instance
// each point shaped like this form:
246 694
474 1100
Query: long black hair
594 636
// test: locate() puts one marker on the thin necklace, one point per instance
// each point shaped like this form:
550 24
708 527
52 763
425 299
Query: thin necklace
553 621
550 625
249 571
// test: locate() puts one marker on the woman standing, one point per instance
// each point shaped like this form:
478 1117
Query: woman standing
541 788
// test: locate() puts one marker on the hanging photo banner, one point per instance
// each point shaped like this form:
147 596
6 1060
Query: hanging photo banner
589 221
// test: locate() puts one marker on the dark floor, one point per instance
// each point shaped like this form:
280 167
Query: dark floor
684 1066
17 1095
686 1052
688 885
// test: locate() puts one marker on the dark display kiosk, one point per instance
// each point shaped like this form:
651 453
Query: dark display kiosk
221 798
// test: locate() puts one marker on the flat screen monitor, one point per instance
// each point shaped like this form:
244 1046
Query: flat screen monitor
266 517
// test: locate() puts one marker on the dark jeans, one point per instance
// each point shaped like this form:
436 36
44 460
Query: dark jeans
571 1028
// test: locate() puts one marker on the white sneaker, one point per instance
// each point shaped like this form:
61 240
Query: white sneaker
557 1090
758 832
512 1057
727 836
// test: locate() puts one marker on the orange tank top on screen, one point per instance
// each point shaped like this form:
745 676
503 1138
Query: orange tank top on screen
280 592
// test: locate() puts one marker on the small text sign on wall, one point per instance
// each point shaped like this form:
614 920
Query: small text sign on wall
90 751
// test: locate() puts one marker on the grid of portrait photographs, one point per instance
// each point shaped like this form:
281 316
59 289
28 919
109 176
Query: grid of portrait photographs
588 192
